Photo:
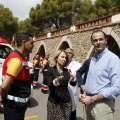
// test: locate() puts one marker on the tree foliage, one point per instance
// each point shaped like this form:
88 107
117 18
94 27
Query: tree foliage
36 17
87 9
52 12
61 13
26 27
8 23
104 7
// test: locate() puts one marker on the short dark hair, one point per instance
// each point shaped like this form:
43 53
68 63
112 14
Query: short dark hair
96 31
70 50
22 36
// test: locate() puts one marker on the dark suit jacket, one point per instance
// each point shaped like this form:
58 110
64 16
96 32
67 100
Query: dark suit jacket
58 94
83 70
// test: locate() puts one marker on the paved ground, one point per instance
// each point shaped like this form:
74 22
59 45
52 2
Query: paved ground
37 109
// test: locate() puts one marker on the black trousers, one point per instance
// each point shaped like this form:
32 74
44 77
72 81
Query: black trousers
73 115
44 83
14 113
44 78
36 74
35 78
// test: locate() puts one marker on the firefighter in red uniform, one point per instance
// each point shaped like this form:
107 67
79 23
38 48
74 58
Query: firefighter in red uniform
36 68
16 86
45 65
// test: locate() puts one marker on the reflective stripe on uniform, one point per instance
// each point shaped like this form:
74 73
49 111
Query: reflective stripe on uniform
17 99
45 70
3 77
45 87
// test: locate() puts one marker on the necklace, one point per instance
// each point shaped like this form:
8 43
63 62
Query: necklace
60 71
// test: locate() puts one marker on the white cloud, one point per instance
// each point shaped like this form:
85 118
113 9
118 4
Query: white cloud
20 8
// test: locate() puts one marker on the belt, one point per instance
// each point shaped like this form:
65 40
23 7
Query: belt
24 91
90 94
17 99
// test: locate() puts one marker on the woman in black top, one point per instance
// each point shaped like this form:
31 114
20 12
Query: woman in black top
59 104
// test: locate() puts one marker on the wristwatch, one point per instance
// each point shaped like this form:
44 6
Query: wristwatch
92 99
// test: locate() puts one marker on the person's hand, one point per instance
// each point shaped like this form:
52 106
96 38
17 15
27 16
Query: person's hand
56 80
87 100
59 78
72 77
41 70
81 97
83 94
0 101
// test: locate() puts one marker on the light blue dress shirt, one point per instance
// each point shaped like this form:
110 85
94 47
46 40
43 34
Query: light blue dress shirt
104 75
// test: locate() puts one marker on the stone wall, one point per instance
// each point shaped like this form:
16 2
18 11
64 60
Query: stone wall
79 41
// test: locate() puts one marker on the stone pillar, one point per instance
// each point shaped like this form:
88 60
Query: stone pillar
49 33
73 27
118 9
34 39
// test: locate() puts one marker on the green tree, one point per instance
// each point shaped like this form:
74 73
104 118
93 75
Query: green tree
86 10
76 12
117 2
26 27
8 23
52 13
36 17
104 7
60 13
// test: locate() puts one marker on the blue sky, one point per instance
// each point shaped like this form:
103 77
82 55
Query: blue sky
20 8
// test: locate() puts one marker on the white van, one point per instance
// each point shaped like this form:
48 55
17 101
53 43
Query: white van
5 50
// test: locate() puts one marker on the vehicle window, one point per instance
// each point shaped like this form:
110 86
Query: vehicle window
4 51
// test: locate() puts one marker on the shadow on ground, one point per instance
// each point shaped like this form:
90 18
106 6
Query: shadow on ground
32 103
39 85
1 109
79 118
